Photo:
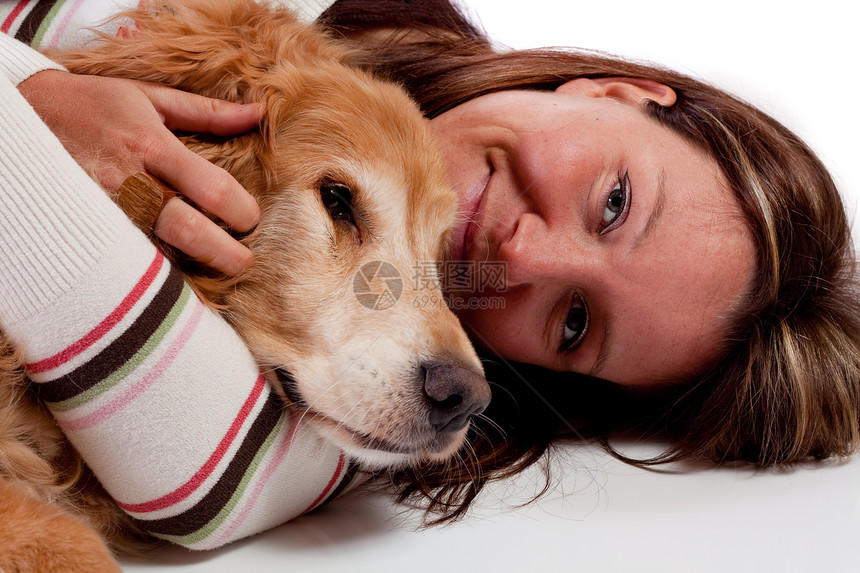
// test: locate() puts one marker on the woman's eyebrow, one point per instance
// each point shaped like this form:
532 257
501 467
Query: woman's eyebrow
656 211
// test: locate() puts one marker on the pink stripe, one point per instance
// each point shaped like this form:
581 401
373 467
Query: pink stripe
65 22
12 15
105 412
104 326
337 471
204 472
285 446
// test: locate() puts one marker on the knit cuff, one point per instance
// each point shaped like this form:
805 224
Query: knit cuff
18 61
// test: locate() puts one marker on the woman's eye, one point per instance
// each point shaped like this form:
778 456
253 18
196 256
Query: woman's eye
617 203
337 200
575 324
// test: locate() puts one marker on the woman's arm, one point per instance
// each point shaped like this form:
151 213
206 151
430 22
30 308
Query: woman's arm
158 394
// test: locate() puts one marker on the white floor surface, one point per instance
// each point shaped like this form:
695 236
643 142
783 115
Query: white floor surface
603 516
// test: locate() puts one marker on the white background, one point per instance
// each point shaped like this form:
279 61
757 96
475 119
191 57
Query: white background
797 60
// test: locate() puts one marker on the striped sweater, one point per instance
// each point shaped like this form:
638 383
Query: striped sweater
158 394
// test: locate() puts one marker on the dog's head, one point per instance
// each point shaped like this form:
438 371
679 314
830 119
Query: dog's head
342 305
342 302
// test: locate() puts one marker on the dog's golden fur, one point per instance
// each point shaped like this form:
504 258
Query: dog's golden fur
327 126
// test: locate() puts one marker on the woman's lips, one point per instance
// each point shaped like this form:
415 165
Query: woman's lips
469 206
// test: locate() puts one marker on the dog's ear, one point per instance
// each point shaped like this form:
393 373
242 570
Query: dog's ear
317 92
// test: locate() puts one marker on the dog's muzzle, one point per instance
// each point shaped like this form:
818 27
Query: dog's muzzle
452 394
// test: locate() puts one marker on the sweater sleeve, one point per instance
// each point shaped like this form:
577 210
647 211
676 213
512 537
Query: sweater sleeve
157 393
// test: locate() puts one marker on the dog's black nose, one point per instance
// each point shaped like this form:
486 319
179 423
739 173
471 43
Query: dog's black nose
454 394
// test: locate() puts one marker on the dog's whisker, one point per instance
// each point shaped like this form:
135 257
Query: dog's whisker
496 386
471 457
492 423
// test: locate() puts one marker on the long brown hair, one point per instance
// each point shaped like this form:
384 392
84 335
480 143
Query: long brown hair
788 388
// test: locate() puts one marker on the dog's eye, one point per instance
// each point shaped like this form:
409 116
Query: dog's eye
337 199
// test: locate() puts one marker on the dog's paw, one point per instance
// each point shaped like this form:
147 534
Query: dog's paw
41 538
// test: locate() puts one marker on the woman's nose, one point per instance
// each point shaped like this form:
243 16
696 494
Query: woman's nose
534 255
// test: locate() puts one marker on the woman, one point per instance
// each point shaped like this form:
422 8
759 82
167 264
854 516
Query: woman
786 385
775 382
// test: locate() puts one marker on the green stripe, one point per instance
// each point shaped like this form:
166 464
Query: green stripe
46 23
215 522
343 488
132 364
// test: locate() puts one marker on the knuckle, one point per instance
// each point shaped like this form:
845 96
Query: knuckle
108 177
214 194
214 106
208 110
183 228
191 230
152 150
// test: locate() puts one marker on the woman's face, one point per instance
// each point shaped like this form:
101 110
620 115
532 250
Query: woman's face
622 246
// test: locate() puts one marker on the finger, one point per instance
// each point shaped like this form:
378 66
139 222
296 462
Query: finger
206 184
191 112
187 229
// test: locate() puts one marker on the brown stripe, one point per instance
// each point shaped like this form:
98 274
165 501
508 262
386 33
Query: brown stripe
348 476
207 508
120 350
31 23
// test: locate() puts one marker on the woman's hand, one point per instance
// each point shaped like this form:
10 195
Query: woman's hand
116 127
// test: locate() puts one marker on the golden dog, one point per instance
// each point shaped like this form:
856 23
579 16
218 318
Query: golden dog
349 184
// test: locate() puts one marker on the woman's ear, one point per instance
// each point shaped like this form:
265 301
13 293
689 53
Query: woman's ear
629 90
